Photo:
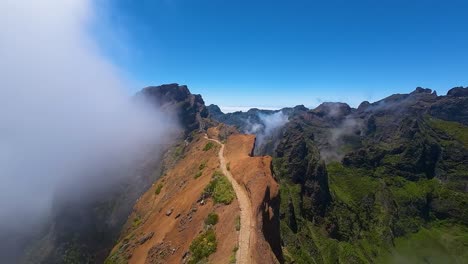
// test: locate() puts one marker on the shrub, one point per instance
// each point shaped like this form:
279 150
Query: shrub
178 151
136 221
202 165
212 219
220 189
197 175
232 258
158 189
208 146
203 246
238 223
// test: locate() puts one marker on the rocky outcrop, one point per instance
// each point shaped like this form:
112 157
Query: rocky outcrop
458 92
173 98
332 110
453 107
215 112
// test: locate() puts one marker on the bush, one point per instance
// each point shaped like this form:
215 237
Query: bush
197 175
136 221
232 258
178 151
212 219
158 189
203 246
238 223
208 146
202 165
220 189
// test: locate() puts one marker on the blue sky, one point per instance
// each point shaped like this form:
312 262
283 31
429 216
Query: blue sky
284 53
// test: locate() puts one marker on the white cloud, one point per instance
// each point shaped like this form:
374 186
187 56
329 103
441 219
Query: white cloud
65 112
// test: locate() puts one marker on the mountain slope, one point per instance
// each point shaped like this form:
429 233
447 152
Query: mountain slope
170 217
359 185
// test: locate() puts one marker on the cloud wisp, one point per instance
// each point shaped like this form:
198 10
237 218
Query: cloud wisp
267 129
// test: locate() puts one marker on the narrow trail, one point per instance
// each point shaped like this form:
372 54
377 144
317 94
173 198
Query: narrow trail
244 253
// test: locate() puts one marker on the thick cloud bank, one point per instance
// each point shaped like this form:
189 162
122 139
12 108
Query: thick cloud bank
65 113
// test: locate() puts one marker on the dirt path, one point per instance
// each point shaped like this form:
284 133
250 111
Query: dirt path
243 255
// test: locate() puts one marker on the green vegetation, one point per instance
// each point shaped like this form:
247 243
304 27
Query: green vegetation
238 223
178 151
454 129
136 221
440 243
232 258
220 189
198 174
373 212
211 219
158 189
201 167
76 254
203 246
116 258
208 146
350 185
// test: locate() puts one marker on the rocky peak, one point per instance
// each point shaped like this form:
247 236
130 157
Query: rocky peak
458 92
421 90
214 110
300 108
363 105
174 98
332 110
